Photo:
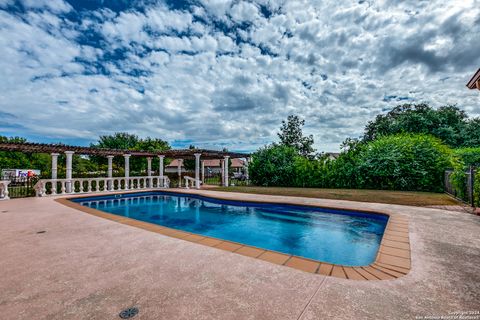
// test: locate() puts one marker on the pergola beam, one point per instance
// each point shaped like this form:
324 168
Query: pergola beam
61 148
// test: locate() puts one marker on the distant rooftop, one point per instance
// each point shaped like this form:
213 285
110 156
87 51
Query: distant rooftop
332 155
236 163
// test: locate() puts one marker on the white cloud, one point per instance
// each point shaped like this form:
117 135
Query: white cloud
216 8
244 12
161 20
223 74
56 6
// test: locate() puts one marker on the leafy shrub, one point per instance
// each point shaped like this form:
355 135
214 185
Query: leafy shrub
467 156
343 172
309 173
458 179
462 159
397 162
476 190
273 165
404 162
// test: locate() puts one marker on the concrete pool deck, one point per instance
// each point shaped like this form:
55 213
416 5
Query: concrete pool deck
86 267
392 256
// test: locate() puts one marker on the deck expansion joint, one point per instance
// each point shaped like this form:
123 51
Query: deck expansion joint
311 298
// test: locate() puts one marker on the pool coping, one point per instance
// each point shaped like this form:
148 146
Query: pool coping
393 259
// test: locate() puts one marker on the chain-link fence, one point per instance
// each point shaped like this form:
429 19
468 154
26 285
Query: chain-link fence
467 188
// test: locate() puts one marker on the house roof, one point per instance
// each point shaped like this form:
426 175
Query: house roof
474 83
236 163
332 154
61 148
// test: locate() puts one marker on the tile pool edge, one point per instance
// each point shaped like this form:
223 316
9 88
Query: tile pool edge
393 259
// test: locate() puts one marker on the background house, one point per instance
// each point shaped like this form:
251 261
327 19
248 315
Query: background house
332 155
211 166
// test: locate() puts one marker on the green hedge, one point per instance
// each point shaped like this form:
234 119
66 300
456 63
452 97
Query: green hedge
467 156
273 165
403 162
399 162
476 190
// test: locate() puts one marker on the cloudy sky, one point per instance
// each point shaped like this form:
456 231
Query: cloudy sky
224 73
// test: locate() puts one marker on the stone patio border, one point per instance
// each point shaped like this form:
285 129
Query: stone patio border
393 257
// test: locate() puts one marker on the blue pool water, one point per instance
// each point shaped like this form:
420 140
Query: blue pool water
334 236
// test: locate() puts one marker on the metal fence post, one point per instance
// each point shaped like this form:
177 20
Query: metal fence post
471 181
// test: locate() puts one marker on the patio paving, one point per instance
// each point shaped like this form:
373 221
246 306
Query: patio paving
86 267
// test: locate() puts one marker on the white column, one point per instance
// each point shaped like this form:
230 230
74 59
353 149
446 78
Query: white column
4 190
127 171
179 170
247 162
203 171
68 171
110 166
160 170
149 171
110 172
222 171
54 165
160 166
149 166
197 170
225 175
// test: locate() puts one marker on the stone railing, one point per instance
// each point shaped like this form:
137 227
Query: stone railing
47 187
195 183
4 189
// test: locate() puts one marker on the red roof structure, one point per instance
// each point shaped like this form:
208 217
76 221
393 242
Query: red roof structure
474 83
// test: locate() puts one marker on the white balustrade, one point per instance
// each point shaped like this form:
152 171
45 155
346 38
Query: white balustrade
45 187
4 189
194 182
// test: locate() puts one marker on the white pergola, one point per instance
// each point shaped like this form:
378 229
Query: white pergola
110 183
198 167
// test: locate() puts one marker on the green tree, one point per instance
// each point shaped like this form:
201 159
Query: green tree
402 118
118 140
151 144
291 135
127 141
20 160
448 123
83 166
471 133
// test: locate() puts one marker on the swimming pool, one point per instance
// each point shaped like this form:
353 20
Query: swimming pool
342 237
